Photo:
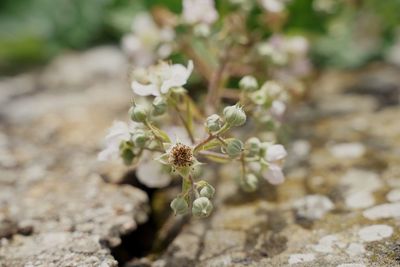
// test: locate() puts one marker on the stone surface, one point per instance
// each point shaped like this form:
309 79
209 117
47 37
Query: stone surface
55 249
51 186
60 207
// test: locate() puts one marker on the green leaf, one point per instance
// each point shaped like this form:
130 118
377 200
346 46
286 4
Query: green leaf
159 133
213 144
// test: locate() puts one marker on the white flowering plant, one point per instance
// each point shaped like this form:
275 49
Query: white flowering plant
230 60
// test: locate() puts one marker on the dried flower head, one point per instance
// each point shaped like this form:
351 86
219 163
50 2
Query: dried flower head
181 155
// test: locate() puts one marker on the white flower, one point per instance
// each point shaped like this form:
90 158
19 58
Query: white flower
275 156
147 42
199 11
273 6
162 78
118 132
278 109
297 45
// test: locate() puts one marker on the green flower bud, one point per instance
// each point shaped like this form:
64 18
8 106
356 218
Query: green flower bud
249 182
207 191
179 206
140 138
260 97
202 207
253 146
248 83
234 148
126 153
263 148
213 123
159 106
138 113
234 115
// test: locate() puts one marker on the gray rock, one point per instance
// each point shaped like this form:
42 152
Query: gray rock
51 185
59 249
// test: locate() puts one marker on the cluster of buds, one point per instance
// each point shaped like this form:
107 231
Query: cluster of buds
201 206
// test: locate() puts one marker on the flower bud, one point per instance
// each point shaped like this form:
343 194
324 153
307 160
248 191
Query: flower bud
259 97
253 146
273 89
234 115
126 153
249 182
179 205
213 123
201 30
140 138
202 207
207 191
138 113
159 106
248 83
234 148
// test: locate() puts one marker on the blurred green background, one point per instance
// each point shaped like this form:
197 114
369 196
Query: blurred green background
344 33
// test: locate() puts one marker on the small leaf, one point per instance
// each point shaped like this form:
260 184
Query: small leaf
213 144
217 159
160 133
163 159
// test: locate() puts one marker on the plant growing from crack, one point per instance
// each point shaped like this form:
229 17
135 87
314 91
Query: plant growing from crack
211 125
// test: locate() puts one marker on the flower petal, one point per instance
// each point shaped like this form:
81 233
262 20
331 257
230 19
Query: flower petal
109 153
274 175
144 90
276 153
178 76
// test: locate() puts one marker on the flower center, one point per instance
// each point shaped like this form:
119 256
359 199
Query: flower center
181 155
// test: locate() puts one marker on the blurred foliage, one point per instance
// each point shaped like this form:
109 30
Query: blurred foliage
35 30
347 34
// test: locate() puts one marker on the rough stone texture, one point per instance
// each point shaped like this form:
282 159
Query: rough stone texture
51 186
352 134
55 249
56 208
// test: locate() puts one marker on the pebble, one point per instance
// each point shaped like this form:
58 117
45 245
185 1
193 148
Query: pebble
351 265
299 258
301 148
347 150
375 232
384 211
325 244
313 206
393 195
358 180
360 200
355 249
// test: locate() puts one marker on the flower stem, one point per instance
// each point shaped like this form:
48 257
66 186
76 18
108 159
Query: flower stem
150 127
184 122
203 143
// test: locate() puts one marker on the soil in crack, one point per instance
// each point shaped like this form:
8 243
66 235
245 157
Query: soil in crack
144 240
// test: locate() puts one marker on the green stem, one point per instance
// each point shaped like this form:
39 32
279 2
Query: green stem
214 154
203 143
184 122
159 140
222 141
223 129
